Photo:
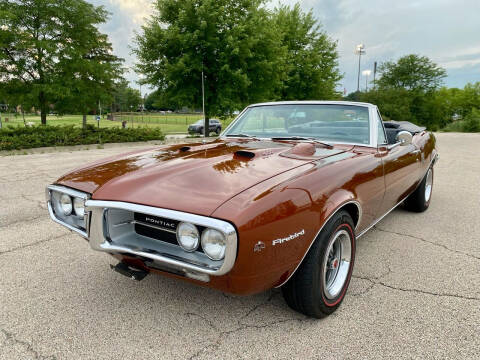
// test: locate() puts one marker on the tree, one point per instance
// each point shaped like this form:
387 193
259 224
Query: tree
53 51
468 99
234 43
411 72
312 58
125 98
158 101
408 90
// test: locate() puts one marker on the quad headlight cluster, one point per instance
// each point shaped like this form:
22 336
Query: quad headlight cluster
213 242
68 206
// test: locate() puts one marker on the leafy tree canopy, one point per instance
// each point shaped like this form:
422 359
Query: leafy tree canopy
125 98
52 51
233 42
312 59
411 72
157 100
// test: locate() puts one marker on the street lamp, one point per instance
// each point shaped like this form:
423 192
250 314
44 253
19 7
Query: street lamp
366 73
359 50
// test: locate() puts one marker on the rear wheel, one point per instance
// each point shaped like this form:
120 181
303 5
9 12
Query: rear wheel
217 130
419 200
319 285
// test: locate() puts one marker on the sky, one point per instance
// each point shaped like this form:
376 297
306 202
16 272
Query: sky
447 31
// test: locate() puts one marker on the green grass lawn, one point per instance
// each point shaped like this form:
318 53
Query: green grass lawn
168 123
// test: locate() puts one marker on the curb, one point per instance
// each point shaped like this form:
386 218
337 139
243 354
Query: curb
60 149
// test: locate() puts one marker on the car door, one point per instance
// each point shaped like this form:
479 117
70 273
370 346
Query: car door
401 165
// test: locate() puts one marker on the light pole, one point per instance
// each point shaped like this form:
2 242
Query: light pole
142 105
359 50
206 123
366 73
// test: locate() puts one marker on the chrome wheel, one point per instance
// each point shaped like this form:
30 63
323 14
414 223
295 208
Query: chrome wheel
428 185
336 264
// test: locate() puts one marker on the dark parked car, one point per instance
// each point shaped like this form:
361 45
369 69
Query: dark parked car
197 128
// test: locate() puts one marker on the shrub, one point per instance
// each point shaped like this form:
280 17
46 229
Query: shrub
15 138
471 123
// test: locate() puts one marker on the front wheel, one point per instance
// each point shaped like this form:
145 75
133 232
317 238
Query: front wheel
419 200
319 285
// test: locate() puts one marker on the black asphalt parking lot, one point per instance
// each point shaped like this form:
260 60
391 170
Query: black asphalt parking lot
415 292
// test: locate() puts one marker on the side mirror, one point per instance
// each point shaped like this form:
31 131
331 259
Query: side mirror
404 138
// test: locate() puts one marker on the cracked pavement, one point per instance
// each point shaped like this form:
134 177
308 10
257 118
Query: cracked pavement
415 292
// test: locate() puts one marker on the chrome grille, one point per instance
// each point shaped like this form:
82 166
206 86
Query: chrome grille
123 228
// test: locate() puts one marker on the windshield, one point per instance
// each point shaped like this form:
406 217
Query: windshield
331 123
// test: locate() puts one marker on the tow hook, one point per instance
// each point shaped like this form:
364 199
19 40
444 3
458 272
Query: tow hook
129 271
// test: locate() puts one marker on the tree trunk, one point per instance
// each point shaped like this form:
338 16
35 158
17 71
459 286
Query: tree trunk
84 121
43 107
23 115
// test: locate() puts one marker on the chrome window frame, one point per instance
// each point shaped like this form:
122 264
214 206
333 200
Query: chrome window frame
372 113
380 120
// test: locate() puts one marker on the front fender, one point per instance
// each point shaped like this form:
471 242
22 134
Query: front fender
277 221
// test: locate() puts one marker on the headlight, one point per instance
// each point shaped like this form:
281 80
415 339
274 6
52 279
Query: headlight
79 206
188 237
213 244
66 204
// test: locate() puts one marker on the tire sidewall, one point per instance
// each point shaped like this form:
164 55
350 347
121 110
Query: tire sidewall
333 303
426 204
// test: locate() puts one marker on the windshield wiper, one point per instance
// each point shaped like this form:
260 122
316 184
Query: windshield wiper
303 138
239 135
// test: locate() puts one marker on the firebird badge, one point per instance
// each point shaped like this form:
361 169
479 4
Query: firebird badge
288 238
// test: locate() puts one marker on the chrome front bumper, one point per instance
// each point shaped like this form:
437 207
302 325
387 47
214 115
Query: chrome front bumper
110 227
164 254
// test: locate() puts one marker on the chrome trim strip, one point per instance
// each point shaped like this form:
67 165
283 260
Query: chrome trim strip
68 191
71 192
68 226
380 218
321 228
99 242
221 225
393 146
145 224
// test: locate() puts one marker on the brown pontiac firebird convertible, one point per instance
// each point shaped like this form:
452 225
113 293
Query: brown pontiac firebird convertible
277 201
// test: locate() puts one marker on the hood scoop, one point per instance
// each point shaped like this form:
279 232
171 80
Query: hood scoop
184 148
303 149
243 155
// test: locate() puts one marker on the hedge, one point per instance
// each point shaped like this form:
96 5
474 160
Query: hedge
16 138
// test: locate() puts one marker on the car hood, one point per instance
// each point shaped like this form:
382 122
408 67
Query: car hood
195 178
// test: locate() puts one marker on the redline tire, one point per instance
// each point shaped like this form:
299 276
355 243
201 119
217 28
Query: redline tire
307 291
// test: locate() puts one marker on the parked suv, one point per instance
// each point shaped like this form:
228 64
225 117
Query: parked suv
197 128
